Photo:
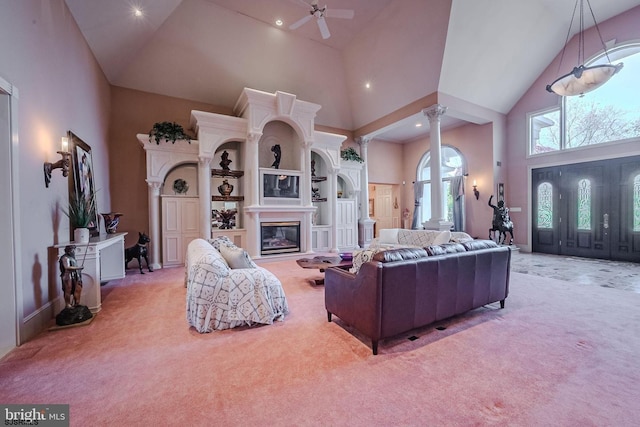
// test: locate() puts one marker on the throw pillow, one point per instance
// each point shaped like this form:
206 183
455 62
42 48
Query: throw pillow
441 238
460 236
236 257
388 235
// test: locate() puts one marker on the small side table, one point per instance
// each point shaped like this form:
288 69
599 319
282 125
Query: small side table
322 263
102 259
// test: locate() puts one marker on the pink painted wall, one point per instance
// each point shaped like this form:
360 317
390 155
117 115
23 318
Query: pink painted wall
622 28
60 88
394 163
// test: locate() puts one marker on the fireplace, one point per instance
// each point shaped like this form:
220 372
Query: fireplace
279 237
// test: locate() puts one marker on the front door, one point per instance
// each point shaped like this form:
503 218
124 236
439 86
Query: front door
588 209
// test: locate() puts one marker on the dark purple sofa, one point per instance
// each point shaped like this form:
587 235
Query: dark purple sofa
403 289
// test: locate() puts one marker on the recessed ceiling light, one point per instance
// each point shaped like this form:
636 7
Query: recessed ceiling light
137 12
367 85
279 22
418 125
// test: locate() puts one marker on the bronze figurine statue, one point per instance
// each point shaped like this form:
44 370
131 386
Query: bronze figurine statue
277 153
71 276
224 163
501 222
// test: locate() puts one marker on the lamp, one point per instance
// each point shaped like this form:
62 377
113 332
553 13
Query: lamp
475 190
583 79
63 163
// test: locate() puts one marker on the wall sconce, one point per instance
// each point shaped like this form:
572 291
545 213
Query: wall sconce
63 163
475 190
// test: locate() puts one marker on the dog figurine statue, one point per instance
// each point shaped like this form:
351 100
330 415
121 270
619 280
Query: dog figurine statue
138 252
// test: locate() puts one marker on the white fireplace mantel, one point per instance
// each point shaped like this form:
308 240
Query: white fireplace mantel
255 109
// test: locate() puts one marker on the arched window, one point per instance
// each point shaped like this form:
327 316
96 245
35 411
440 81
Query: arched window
636 203
608 114
584 204
453 165
545 205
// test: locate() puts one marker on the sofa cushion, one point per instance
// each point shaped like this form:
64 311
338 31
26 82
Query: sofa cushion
221 241
445 248
479 244
459 237
422 238
400 254
388 235
443 237
236 257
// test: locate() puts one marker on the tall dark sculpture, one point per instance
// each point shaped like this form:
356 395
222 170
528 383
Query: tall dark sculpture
225 162
501 222
71 276
277 154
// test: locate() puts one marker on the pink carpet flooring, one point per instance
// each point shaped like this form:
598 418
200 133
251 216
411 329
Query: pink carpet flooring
557 355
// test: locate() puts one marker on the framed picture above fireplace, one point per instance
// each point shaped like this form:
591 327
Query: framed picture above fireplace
280 187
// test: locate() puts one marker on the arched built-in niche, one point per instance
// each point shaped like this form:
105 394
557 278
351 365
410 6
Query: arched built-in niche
181 180
285 136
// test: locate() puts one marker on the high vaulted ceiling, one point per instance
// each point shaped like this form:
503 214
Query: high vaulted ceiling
484 52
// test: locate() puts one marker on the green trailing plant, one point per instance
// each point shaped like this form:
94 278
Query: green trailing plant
170 131
81 211
350 154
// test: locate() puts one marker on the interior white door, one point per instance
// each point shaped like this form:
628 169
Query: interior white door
346 224
383 207
8 317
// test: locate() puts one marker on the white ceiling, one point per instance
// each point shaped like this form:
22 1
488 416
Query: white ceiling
208 50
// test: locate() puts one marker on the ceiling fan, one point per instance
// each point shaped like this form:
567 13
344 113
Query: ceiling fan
320 13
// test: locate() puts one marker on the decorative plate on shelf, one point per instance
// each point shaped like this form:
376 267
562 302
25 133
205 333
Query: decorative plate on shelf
180 186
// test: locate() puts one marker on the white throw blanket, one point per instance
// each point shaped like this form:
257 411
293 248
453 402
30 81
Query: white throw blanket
219 297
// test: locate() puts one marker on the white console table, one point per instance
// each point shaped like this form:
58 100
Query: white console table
103 260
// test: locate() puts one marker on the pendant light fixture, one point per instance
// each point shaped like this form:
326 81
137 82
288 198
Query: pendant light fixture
583 79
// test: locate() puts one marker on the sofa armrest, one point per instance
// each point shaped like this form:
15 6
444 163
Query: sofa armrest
355 298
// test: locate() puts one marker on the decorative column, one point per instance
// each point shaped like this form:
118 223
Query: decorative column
305 185
154 222
365 224
252 194
437 221
332 179
251 169
204 194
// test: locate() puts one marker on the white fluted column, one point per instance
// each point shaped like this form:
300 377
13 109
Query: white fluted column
251 169
305 185
154 222
437 221
204 194
365 223
251 218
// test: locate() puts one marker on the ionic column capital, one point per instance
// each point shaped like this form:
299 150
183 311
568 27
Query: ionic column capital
434 112
254 137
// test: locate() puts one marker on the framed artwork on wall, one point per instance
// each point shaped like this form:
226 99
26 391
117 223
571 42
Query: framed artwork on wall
83 182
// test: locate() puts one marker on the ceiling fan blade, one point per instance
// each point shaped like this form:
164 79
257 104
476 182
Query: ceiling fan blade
339 13
324 30
300 22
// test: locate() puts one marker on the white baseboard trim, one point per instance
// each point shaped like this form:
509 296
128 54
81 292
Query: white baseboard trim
39 320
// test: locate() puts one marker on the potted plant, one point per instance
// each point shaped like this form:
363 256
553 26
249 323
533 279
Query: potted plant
170 131
81 213
350 154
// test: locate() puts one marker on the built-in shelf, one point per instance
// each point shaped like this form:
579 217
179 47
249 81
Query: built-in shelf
222 172
227 198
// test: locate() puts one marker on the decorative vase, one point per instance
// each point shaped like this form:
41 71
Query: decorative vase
225 188
81 235
111 221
